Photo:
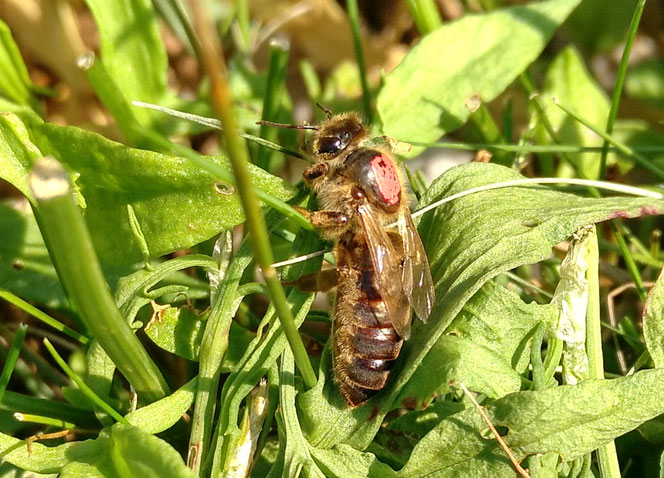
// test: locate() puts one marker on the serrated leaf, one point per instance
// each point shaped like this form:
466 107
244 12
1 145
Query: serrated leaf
653 322
125 451
570 420
486 347
498 319
455 359
425 96
468 242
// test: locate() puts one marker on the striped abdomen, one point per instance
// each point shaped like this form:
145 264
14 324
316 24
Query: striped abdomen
365 344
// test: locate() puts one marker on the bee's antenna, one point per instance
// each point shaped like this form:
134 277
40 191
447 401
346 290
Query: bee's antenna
284 125
328 113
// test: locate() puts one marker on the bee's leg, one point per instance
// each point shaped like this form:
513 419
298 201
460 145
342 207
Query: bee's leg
325 219
320 281
315 171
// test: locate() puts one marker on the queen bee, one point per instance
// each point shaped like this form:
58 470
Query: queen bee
381 271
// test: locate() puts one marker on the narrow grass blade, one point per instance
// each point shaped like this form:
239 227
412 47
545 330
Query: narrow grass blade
12 357
354 16
38 314
75 260
222 102
94 398
620 81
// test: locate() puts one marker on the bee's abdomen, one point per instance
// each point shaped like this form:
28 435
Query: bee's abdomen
365 343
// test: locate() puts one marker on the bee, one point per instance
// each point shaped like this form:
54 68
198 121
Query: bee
381 272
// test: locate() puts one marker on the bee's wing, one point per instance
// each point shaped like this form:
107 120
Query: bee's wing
417 281
388 267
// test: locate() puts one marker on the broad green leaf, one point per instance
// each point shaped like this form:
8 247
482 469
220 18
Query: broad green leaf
641 135
17 153
653 322
568 80
456 359
43 459
644 82
164 413
468 241
124 451
132 51
570 420
25 266
15 83
420 422
177 204
486 347
498 319
179 330
425 96
343 461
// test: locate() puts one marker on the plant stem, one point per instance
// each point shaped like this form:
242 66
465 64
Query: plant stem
18 402
54 422
174 14
606 454
620 81
12 357
242 15
237 151
425 14
531 148
70 247
276 77
354 16
87 391
640 160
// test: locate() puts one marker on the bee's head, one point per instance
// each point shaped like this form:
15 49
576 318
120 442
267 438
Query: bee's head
336 133
333 135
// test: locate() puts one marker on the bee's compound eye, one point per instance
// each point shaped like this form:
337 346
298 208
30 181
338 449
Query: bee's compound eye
330 145
345 136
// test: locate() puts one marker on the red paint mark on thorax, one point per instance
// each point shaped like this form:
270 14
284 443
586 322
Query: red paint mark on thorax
387 179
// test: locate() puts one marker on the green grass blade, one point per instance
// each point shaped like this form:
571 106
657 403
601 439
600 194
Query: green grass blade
620 81
238 155
45 318
94 398
70 247
53 422
274 91
354 16
624 149
606 454
12 357
426 15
